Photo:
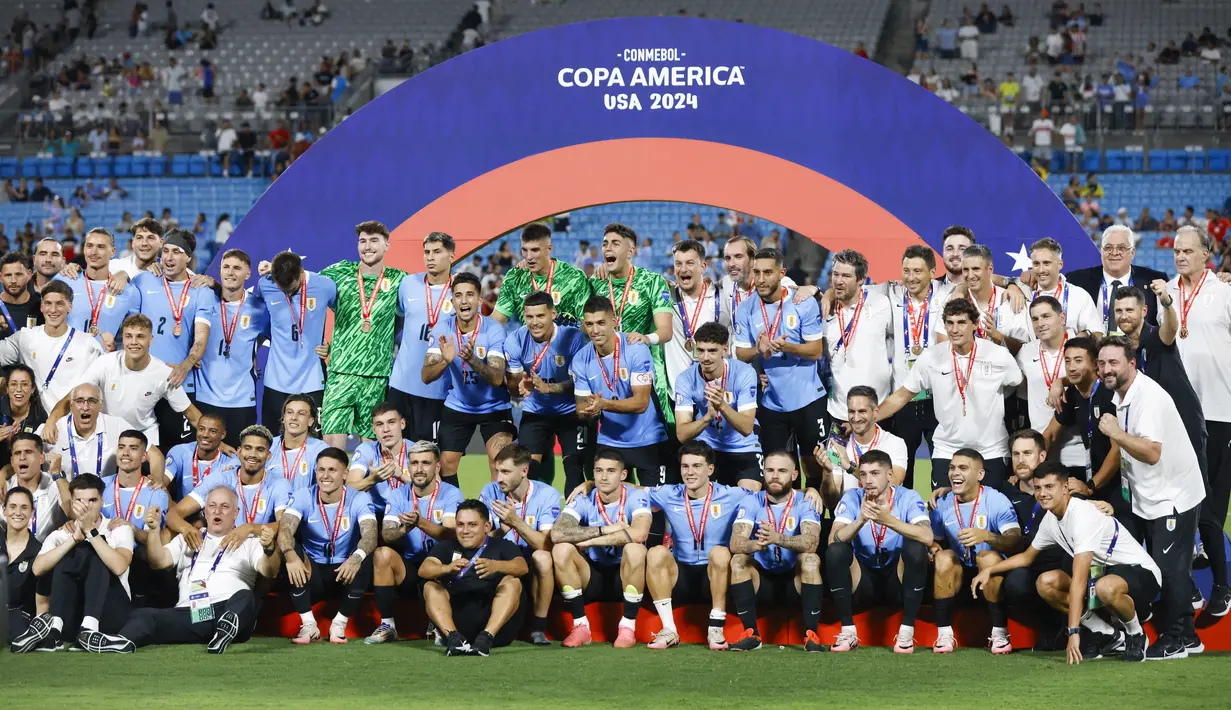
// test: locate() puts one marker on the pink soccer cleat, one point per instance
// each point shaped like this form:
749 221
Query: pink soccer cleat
625 638
847 641
307 634
579 636
667 638
945 643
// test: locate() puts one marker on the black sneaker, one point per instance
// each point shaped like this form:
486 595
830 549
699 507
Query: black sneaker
457 645
39 634
1050 639
750 641
539 638
1134 648
225 632
813 643
1197 598
1192 643
483 644
98 642
1113 644
1166 648
1220 604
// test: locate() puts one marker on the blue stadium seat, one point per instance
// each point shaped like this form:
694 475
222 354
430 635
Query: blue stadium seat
140 166
29 167
196 165
85 168
123 166
179 165
1117 161
64 167
1196 160
1091 160
1219 160
46 167
215 165
1177 160
158 166
9 167
102 167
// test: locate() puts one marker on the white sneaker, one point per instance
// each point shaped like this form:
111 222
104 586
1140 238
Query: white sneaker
307 634
945 643
337 632
1000 642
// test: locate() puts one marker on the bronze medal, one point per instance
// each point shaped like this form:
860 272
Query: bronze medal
1184 332
94 330
178 330
366 326
916 349
689 345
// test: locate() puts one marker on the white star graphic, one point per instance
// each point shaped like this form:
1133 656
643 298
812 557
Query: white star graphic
1021 260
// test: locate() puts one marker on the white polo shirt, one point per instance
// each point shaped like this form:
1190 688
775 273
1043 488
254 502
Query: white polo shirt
865 358
119 538
881 440
236 571
1072 450
106 432
931 328
1207 345
46 503
132 394
40 351
1013 325
1174 484
1084 528
677 357
981 426
1080 311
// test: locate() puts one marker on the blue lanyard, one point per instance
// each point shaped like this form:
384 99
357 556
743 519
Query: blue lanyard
927 317
684 314
72 448
1141 350
222 550
1030 523
68 340
1090 413
9 317
1105 295
470 564
1114 537
1064 298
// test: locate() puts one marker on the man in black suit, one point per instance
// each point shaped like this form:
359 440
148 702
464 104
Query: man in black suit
1117 248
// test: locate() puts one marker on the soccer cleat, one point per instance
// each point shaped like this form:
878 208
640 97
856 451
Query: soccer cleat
1047 640
307 634
40 630
337 633
383 634
1166 648
666 638
579 636
905 642
1134 648
1193 644
750 641
625 638
847 641
433 634
1000 642
717 641
98 642
1197 598
812 643
539 638
225 632
945 643
1219 605
483 644
457 645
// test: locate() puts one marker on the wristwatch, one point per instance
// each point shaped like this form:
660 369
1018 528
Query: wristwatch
93 533
57 477
1072 631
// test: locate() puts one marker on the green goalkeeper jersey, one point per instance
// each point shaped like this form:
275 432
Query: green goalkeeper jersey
569 288
352 350
647 295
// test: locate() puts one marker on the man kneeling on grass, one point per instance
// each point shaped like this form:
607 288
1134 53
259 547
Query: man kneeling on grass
472 590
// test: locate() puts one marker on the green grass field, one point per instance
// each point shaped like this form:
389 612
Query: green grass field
270 672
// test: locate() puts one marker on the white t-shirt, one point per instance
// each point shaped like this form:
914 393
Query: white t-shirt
1069 132
226 139
1085 529
1054 44
1072 450
260 99
1122 92
930 327
1080 312
119 538
677 357
236 571
126 264
172 77
223 233
131 394
1174 483
865 359
881 440
106 430
40 351
1032 86
981 425
1208 342
46 502
1042 129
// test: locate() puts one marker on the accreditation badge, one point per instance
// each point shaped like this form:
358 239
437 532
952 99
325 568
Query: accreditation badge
198 602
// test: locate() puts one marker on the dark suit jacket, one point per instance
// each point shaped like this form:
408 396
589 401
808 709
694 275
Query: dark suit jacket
1091 280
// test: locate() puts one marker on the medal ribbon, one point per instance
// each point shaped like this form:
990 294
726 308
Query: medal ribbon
431 501
690 323
848 330
991 308
628 285
176 312
366 305
602 508
337 519
96 306
915 330
229 333
769 512
1186 304
771 330
197 478
433 310
1105 295
551 274
698 533
394 482
964 383
249 513
538 357
8 317
856 452
1048 379
611 382
524 502
879 537
132 502
290 472
474 335
957 512
303 305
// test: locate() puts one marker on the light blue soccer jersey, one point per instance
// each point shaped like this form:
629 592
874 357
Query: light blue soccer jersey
787 518
300 462
227 376
199 307
258 502
585 510
127 508
635 367
114 308
566 341
469 393
794 382
877 545
713 524
293 365
184 476
991 510
739 386
415 298
539 510
330 533
368 456
437 505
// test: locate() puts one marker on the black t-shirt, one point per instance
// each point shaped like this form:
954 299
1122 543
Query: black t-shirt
1084 414
1161 363
26 315
35 418
1030 516
21 574
468 581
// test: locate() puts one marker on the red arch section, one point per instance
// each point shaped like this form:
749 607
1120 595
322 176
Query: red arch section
673 169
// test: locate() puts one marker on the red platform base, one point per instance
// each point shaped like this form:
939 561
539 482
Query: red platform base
778 626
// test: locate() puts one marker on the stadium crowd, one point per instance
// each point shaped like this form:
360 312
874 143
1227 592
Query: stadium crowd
740 438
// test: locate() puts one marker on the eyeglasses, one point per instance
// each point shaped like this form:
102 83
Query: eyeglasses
87 402
1116 249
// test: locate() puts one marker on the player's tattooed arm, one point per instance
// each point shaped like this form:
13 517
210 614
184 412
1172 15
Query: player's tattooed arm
741 540
491 372
392 530
568 529
286 534
367 536
806 541
433 367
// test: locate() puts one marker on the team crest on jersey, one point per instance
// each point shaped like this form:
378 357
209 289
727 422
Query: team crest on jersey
447 307
109 301
262 505
559 361
437 516
634 298
790 523
1097 414
624 374
840 509
139 511
480 352
791 320
728 396
716 509
346 523
23 567
530 520
245 322
30 322
385 285
303 468
985 368
113 386
1170 524
555 297
311 303
981 521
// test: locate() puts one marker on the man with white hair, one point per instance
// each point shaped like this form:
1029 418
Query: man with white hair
1118 247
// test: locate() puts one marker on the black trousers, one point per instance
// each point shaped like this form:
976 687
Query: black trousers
995 473
324 584
158 626
18 621
83 586
1020 594
1171 546
1217 495
915 423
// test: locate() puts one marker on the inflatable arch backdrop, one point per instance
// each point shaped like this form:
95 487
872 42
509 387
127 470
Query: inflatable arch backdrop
761 121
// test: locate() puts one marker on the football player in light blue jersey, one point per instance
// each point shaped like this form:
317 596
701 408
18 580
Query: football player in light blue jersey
423 299
977 526
878 551
226 381
469 349
293 453
539 354
190 464
700 514
416 518
336 527
716 403
97 308
524 512
382 467
787 340
599 549
774 560
613 382
298 302
127 497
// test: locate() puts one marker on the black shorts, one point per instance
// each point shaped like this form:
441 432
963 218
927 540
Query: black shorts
472 611
963 597
1142 586
877 585
412 586
234 419
692 586
808 425
777 588
422 414
651 463
539 432
271 409
730 469
605 584
173 426
457 428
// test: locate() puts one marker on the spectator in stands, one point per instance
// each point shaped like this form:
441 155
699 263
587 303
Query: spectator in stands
207 76
1034 53
243 101
1122 219
970 80
722 228
1189 47
1170 54
337 86
1146 222
1074 142
1008 89
1032 87
20 193
260 99
288 12
198 227
172 81
280 145
1190 218
1169 224
40 193
209 17
227 139
1006 17
289 95
968 37
247 144
1189 81
125 224
167 221
1070 195
474 266
985 21
1121 100
1216 225
946 40
922 31
1057 92
1054 46
223 229
97 139
1042 131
